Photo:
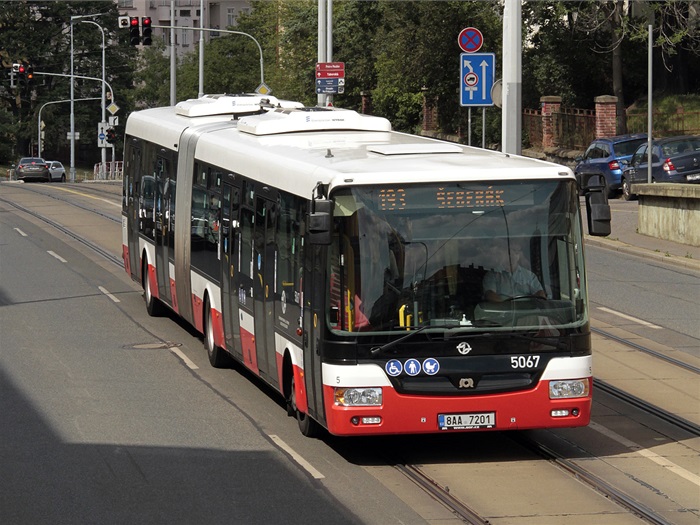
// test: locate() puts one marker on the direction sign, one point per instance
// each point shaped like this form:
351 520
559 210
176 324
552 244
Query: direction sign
330 66
330 86
325 73
470 40
330 78
476 78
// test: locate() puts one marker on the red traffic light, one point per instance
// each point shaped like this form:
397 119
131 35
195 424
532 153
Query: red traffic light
134 31
22 69
145 21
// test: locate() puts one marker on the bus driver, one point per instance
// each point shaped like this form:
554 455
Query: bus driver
510 278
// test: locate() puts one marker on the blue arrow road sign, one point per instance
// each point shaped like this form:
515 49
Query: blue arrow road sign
476 73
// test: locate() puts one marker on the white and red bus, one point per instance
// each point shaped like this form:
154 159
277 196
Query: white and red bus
345 264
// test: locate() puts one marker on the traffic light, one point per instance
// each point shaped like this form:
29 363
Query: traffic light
21 73
29 72
134 31
146 30
110 136
15 68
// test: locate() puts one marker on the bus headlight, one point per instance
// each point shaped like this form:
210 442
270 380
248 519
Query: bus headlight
358 397
569 388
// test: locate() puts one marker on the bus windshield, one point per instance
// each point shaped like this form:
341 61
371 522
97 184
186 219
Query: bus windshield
469 255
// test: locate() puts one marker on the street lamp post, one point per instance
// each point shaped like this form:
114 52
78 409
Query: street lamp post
104 150
72 94
39 120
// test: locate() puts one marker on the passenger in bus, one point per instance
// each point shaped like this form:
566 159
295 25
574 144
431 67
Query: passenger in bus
510 277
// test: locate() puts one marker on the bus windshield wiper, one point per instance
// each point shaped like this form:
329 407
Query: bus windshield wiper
378 349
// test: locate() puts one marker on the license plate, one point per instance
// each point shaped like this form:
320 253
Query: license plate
467 421
693 177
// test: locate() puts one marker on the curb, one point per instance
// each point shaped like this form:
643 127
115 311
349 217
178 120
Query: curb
619 246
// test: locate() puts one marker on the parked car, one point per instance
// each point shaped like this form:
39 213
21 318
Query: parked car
608 156
32 168
58 172
673 159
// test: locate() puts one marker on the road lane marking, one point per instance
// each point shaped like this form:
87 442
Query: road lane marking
308 467
20 232
646 453
111 203
179 353
106 292
630 318
54 254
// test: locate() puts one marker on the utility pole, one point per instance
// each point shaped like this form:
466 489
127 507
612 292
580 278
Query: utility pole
512 118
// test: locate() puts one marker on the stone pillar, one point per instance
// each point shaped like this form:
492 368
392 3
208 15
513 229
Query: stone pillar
550 105
366 102
430 115
605 116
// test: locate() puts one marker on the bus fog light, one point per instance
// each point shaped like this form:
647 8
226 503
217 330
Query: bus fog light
373 420
355 397
567 389
560 413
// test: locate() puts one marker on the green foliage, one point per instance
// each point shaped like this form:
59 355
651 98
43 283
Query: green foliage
39 33
397 52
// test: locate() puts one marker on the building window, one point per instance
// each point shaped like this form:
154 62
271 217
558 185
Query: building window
186 12
231 16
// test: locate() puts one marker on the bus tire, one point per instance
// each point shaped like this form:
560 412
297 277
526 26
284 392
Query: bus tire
218 357
153 305
307 425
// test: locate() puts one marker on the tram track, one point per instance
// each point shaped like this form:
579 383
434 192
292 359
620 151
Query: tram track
648 351
67 231
595 482
74 204
441 494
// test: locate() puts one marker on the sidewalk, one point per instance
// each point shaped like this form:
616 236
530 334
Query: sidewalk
624 238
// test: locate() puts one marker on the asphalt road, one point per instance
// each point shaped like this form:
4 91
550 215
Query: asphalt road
655 295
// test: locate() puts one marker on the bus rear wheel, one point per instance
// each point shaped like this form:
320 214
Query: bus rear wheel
307 425
218 357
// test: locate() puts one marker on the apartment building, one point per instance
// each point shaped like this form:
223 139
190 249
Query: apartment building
221 14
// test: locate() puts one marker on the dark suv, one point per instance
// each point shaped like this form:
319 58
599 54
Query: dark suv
608 156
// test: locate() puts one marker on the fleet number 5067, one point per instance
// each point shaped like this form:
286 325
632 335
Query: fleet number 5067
524 361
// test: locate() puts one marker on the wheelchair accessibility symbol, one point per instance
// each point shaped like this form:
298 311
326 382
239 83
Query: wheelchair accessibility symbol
393 367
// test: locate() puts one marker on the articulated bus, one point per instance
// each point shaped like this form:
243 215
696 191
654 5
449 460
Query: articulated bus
350 266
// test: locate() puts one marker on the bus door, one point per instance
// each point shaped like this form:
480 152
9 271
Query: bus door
163 170
264 286
246 273
229 267
134 174
314 322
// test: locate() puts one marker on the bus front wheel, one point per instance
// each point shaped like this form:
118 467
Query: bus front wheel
307 425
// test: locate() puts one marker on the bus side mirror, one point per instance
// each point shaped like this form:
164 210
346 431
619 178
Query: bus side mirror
597 207
320 222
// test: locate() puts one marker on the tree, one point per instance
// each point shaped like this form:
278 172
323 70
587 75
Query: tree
39 33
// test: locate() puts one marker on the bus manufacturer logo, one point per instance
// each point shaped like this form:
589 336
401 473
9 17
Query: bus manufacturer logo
464 348
466 382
